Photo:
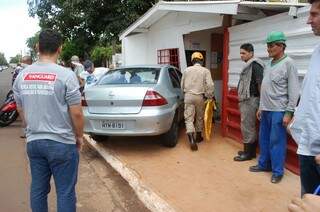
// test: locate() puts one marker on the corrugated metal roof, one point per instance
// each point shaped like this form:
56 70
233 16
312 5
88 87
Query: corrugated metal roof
163 7
300 41
231 7
277 6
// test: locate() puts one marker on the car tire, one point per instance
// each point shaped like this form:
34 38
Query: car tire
99 138
4 121
170 138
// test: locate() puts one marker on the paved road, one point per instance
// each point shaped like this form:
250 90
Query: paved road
5 83
99 187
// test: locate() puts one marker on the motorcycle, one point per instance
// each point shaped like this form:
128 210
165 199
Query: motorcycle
8 111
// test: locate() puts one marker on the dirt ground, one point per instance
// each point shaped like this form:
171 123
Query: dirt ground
99 187
207 180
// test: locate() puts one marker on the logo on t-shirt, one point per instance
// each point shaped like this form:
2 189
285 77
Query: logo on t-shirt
90 79
40 77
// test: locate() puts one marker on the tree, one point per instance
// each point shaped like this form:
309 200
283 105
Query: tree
88 23
3 60
16 59
70 48
101 56
31 44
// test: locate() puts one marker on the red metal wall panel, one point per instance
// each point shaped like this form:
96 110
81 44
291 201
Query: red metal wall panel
225 67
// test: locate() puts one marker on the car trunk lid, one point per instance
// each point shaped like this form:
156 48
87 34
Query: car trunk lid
115 99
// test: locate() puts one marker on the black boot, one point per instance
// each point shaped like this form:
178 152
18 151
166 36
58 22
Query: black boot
253 150
241 152
246 155
199 137
193 144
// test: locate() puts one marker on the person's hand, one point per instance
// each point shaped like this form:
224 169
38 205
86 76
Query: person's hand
258 114
317 159
289 126
308 203
286 120
79 143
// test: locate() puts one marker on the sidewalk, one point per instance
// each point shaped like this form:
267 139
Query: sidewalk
207 180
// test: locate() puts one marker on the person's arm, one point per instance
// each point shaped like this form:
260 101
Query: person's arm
81 74
81 78
258 114
21 114
308 203
77 119
293 93
257 74
209 86
81 81
182 82
17 98
317 159
73 99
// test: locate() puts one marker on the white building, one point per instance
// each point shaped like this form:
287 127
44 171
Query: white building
170 31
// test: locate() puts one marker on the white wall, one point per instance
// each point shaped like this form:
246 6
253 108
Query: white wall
134 50
166 33
300 41
202 39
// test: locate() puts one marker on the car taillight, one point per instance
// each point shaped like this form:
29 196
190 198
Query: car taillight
153 98
83 101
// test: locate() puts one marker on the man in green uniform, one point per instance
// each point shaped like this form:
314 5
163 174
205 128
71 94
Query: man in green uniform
279 95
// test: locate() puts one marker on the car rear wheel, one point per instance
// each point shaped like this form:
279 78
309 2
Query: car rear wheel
99 138
170 138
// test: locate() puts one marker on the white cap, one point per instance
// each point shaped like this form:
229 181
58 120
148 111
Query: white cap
75 59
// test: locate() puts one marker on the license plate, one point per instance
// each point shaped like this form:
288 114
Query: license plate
113 125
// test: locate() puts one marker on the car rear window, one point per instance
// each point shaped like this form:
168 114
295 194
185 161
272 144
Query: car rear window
130 76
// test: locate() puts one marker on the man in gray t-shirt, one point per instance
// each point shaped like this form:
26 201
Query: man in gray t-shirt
279 95
48 99
53 88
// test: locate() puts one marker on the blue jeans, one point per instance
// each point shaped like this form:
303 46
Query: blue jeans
48 158
273 142
309 174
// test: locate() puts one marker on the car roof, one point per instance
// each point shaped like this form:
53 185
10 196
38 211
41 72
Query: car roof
147 66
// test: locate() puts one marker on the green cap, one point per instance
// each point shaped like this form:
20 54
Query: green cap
276 36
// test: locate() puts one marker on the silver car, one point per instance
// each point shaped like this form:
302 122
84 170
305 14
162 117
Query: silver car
135 101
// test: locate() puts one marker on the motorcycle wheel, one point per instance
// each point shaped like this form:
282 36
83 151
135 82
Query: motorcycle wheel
6 118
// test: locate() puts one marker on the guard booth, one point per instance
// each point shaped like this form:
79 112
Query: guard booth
171 31
300 45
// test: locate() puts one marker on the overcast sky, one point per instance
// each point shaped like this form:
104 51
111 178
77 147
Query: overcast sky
16 26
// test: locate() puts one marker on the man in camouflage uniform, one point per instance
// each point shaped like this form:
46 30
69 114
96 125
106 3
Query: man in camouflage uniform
249 95
197 85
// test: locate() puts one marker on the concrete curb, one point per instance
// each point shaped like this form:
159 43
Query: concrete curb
149 198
